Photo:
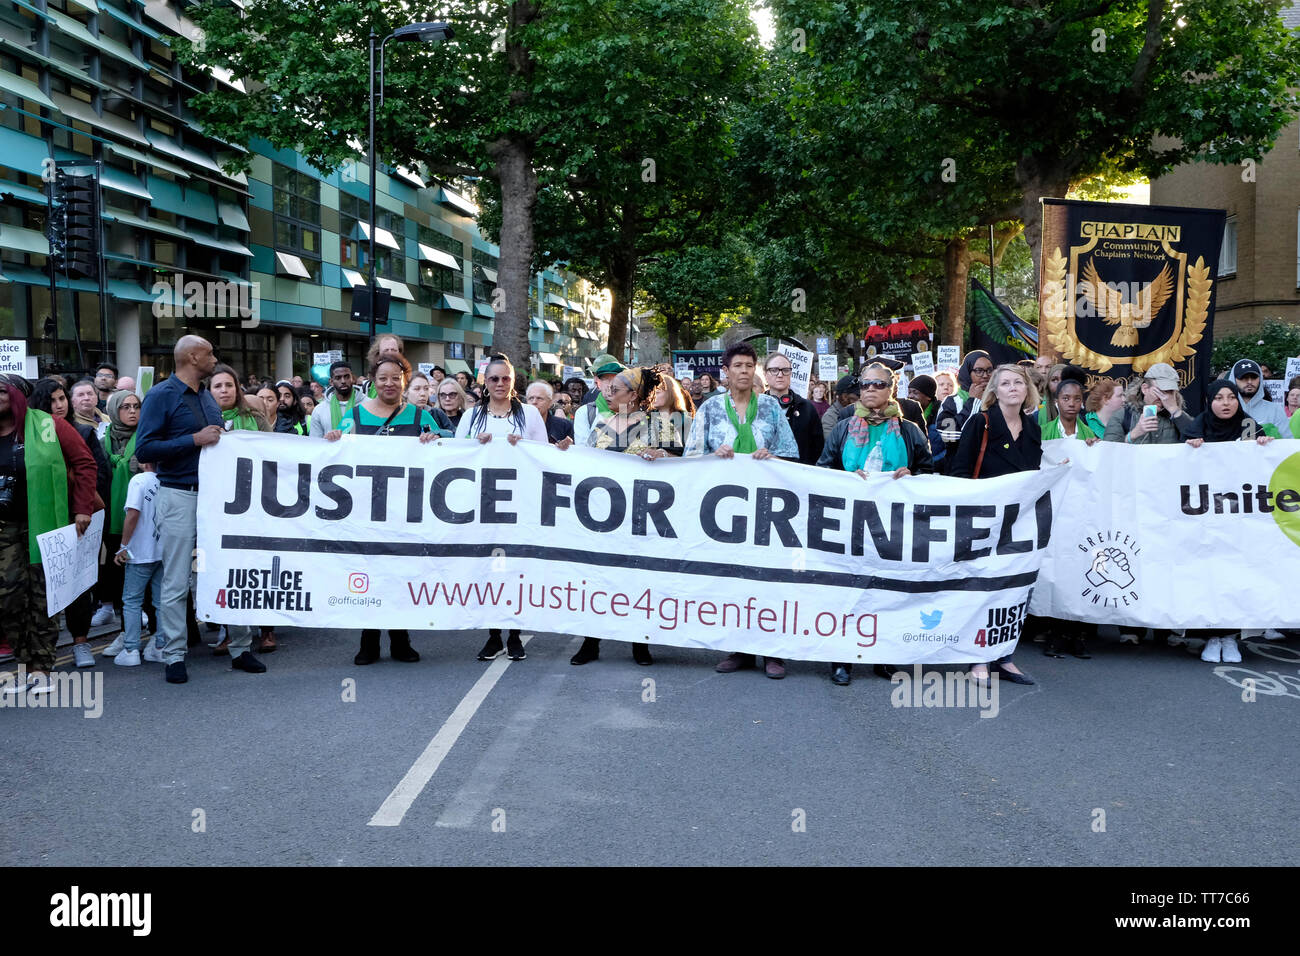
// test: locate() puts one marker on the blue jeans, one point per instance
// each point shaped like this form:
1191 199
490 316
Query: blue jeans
136 579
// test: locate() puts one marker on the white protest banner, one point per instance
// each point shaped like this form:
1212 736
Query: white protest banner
71 563
947 356
320 358
1175 537
800 370
828 369
769 557
1292 368
922 363
13 355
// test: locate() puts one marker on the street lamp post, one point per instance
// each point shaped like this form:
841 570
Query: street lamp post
425 33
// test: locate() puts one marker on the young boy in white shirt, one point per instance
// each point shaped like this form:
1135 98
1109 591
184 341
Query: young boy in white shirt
141 557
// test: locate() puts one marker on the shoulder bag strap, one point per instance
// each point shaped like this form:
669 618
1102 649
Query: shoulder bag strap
984 444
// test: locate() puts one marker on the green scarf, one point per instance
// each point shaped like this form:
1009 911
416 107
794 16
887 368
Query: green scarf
602 406
745 442
337 411
1053 430
244 421
121 466
47 479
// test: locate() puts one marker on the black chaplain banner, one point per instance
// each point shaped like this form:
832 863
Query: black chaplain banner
1124 287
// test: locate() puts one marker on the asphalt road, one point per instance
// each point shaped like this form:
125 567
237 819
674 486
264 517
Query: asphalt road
567 765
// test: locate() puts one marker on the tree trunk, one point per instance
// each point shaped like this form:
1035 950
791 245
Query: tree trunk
622 273
514 165
1037 182
956 280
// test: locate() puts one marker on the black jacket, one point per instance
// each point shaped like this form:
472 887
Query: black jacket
558 429
1002 456
806 425
919 461
913 412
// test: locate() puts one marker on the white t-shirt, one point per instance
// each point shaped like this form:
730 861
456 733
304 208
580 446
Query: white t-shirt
144 546
534 427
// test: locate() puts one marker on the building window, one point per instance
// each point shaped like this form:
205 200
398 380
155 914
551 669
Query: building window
295 200
354 245
1228 252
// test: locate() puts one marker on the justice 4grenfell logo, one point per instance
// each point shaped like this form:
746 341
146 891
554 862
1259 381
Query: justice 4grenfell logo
1003 625
270 589
1109 579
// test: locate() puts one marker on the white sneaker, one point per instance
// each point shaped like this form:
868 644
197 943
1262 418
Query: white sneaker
1231 653
103 615
1213 650
127 659
152 654
115 648
1274 635
83 655
1129 639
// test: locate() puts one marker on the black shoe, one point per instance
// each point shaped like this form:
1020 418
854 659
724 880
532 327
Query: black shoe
1051 649
1008 675
1079 649
176 673
248 663
400 649
515 649
841 674
887 671
641 654
588 652
491 650
369 652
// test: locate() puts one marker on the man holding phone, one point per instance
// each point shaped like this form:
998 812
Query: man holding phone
1154 414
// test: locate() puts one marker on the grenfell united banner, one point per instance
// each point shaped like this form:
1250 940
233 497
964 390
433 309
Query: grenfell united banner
769 557
1124 287
1175 537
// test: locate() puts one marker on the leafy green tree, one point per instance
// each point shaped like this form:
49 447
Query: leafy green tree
697 292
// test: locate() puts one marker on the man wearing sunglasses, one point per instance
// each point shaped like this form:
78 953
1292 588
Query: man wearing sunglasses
799 412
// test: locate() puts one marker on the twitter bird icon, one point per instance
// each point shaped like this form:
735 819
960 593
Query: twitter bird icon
930 620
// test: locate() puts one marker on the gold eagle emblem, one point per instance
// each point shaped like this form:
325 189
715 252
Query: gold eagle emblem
1113 310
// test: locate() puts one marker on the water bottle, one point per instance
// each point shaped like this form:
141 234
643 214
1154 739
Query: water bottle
875 461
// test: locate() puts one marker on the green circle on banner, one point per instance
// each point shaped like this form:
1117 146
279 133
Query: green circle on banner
1286 476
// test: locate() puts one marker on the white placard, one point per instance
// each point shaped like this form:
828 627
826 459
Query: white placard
31 370
801 368
143 380
828 369
71 563
1292 368
682 372
947 356
320 358
1277 388
13 355
426 368
335 355
923 363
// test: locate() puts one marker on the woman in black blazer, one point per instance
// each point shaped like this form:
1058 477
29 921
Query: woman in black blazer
1001 440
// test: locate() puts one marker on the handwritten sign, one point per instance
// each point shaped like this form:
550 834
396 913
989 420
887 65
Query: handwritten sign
682 372
71 563
1276 388
828 369
13 355
1292 368
923 363
320 358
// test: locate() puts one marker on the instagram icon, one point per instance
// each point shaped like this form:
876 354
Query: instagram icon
358 583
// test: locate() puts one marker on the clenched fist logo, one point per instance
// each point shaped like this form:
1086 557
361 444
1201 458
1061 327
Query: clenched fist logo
1110 566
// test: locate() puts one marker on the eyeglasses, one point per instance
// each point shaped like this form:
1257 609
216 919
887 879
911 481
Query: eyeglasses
872 383
981 370
779 370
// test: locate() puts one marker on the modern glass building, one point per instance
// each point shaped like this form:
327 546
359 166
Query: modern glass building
92 85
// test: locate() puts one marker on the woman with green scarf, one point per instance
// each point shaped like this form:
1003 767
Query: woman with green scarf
119 446
875 439
48 482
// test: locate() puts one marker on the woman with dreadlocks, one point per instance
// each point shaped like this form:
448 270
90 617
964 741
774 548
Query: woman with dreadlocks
499 412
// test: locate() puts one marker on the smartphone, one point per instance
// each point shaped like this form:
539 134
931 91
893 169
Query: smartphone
1148 411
